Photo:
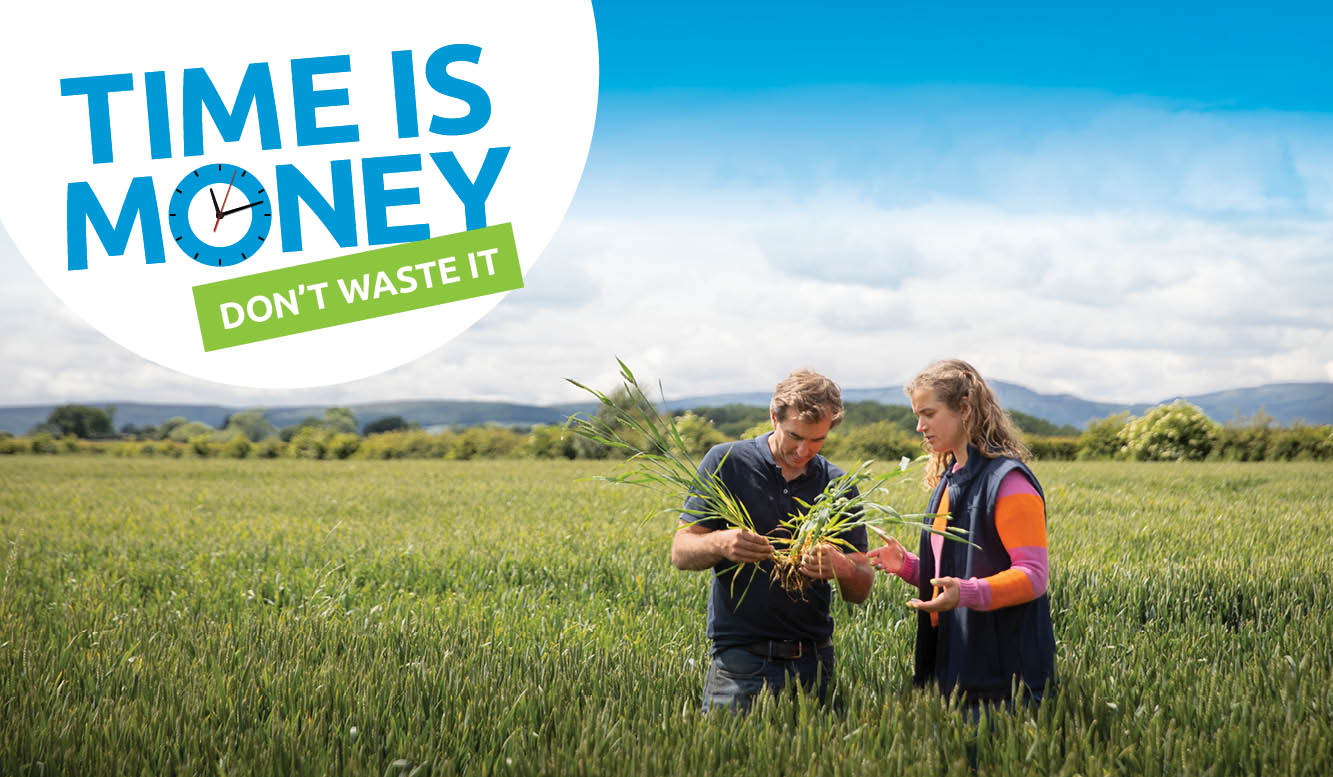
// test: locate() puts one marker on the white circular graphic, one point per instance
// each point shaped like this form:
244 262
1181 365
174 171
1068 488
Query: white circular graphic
149 152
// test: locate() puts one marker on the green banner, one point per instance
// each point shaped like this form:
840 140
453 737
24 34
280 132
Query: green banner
356 287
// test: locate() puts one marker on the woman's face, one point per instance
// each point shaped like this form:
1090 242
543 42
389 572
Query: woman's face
943 428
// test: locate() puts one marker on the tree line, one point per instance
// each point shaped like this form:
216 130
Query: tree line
1178 431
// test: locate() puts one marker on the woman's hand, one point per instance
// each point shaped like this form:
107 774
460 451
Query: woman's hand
945 600
890 558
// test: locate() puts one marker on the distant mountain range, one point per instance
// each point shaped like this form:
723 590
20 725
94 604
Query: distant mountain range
1311 403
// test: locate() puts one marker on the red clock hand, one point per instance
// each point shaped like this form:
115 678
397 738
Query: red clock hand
224 200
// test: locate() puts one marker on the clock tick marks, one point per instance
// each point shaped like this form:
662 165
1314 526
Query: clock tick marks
219 247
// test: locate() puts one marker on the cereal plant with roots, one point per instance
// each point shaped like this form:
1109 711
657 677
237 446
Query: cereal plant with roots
659 459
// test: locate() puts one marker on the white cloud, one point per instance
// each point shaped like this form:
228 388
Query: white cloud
1118 249
1112 307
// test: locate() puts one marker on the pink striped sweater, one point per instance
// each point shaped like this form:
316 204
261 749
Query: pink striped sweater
1020 519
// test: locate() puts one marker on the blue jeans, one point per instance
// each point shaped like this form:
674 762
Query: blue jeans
736 677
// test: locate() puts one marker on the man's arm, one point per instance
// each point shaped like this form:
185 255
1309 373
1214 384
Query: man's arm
699 547
852 570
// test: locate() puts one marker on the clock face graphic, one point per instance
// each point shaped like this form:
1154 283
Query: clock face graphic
219 215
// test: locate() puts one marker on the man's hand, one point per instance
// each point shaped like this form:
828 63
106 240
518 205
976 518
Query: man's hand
825 562
854 575
890 558
699 547
742 546
945 600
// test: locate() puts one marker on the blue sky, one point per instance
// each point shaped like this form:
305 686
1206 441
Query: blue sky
1243 56
1121 201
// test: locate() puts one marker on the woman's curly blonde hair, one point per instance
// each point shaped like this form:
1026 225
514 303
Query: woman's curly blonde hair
990 430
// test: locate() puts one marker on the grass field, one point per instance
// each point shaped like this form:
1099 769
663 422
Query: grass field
502 617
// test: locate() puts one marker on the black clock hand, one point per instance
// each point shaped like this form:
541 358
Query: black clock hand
243 207
216 210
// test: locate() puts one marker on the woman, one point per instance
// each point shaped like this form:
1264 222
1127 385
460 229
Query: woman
984 621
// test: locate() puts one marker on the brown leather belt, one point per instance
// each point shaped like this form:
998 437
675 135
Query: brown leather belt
787 651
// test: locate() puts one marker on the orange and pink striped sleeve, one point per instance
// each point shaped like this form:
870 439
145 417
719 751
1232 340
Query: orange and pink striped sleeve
1020 520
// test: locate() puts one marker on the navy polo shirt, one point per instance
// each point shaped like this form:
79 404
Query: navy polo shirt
765 611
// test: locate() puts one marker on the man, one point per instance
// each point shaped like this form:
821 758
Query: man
762 635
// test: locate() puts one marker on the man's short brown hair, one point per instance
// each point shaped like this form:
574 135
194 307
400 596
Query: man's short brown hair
809 395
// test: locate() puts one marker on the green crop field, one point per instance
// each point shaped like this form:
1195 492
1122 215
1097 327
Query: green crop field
504 617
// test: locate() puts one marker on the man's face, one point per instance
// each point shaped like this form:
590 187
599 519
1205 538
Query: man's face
795 442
